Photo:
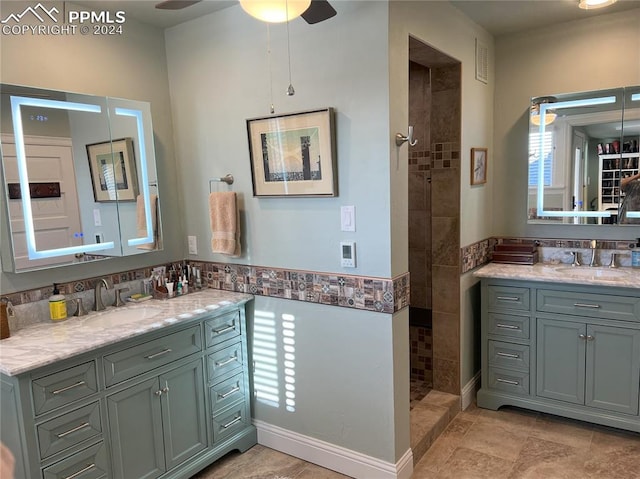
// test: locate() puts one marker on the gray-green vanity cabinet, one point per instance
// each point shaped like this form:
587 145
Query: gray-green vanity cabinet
569 350
147 407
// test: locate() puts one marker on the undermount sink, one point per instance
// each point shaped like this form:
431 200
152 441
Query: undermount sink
123 316
589 272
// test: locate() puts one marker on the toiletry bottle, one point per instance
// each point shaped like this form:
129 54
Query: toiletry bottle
57 305
635 255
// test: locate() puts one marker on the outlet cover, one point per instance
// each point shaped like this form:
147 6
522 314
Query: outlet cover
193 244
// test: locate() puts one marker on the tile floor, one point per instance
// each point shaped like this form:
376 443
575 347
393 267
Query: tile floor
479 443
419 389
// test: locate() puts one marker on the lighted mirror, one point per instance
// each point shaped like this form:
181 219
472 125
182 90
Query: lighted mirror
79 177
583 158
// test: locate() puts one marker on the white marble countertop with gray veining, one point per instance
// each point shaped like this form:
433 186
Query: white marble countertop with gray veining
624 277
47 342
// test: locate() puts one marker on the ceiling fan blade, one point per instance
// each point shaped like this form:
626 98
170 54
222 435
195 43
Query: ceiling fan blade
176 4
318 11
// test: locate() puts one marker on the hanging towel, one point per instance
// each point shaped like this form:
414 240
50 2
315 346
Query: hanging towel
141 222
225 223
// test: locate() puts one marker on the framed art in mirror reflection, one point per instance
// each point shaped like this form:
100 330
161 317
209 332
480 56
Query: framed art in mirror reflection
113 170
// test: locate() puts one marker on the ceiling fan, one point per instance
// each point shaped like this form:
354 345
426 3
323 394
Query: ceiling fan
318 11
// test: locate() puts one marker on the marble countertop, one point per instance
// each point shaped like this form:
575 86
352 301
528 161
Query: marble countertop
563 273
47 342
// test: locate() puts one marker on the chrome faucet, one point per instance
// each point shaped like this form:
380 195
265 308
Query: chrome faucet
594 247
98 304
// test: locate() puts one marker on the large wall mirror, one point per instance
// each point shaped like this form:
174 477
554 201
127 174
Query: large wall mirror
584 151
80 178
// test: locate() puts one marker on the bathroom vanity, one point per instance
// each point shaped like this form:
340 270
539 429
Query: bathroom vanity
562 340
158 389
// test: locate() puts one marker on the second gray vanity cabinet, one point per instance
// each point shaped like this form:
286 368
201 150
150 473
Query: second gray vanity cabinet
574 352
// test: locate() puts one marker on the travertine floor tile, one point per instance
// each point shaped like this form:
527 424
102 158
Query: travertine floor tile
545 459
469 464
495 439
564 431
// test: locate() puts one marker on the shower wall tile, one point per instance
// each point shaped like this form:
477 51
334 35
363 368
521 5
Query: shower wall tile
445 192
445 236
446 334
446 376
445 289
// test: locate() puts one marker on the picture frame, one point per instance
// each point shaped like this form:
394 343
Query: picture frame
293 154
479 164
113 170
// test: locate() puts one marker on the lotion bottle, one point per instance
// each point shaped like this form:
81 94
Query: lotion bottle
57 305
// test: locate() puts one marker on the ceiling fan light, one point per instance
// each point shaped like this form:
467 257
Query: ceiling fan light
275 11
591 4
549 115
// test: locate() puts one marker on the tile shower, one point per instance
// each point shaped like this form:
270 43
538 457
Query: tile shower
434 220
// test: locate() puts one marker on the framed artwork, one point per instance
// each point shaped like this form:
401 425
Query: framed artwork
478 166
293 154
113 170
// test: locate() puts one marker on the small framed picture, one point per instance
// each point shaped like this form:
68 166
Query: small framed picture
113 170
293 154
478 166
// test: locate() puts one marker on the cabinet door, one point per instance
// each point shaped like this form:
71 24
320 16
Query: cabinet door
560 360
135 422
613 368
183 413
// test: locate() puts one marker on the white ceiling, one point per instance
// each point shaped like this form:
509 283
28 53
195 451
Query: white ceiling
499 17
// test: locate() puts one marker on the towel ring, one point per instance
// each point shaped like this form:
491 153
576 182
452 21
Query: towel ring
228 179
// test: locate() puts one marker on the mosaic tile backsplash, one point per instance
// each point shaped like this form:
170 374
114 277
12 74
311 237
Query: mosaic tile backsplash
359 292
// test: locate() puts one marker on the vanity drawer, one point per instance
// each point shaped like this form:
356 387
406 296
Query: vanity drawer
508 355
227 392
144 357
69 429
605 306
508 297
508 325
90 463
63 387
516 382
220 329
224 361
228 423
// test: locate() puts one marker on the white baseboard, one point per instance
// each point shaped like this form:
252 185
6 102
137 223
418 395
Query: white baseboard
469 391
330 456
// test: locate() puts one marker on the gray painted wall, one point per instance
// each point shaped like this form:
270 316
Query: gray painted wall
351 382
131 65
591 54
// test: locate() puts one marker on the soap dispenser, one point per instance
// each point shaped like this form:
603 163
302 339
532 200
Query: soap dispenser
57 305
635 254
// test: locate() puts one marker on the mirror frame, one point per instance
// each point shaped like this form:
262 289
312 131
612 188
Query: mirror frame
18 101
545 107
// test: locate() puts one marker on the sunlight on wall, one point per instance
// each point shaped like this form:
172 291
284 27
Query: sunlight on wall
274 352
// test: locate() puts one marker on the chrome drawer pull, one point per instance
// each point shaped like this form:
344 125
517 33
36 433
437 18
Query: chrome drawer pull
224 330
229 424
230 360
513 383
81 471
508 298
71 431
585 305
153 356
507 326
229 393
509 355
78 384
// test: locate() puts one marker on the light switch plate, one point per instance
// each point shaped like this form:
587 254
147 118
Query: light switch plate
348 218
97 219
193 244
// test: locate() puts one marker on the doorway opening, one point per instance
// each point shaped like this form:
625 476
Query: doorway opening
434 220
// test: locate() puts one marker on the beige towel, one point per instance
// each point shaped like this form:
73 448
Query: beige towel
225 223
141 222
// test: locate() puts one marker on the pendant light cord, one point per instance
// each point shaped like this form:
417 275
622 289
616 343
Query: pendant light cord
272 108
290 90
